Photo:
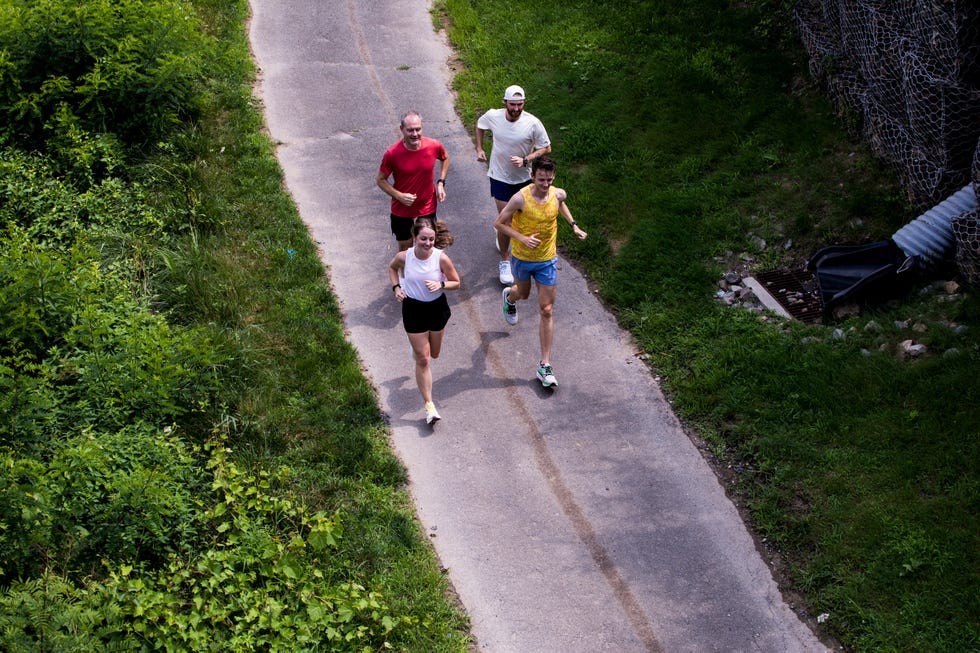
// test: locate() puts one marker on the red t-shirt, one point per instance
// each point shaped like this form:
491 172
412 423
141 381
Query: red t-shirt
413 172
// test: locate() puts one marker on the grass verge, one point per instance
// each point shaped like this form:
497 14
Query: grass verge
192 458
297 398
682 130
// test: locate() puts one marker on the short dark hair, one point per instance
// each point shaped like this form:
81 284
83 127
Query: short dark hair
545 163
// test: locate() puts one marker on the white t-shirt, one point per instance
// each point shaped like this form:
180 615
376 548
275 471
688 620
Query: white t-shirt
518 138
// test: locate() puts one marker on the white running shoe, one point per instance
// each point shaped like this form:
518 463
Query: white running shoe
546 376
506 277
510 310
431 414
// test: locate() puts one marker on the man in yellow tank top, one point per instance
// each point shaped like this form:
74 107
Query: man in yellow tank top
530 219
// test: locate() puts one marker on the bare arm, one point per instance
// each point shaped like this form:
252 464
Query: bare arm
519 161
443 173
449 271
564 211
397 265
480 154
504 222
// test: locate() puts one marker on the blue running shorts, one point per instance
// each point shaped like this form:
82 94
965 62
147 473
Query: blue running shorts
543 272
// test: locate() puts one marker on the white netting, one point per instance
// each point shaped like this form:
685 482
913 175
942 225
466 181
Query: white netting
966 228
911 70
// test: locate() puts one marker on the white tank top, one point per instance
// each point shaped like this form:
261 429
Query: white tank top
417 271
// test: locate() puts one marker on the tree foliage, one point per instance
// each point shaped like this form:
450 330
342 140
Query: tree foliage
132 68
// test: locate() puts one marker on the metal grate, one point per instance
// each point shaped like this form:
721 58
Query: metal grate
795 291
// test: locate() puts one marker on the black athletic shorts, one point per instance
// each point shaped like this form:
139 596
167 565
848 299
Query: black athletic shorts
419 317
501 190
402 227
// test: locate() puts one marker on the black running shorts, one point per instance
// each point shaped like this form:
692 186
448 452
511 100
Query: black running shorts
419 317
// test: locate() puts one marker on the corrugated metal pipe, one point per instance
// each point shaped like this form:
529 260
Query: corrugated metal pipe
930 236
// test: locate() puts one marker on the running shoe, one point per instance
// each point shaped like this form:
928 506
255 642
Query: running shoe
510 310
506 277
546 376
431 414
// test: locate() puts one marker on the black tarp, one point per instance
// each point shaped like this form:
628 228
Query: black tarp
857 273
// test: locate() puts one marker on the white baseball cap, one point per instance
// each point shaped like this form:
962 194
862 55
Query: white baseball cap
514 94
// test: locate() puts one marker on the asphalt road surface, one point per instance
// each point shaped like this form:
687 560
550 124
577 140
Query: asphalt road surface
580 520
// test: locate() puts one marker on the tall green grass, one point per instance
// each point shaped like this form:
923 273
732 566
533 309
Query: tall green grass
193 459
298 397
680 130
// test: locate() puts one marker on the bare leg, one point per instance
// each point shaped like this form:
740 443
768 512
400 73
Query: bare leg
519 291
404 244
515 293
503 240
423 372
435 343
546 325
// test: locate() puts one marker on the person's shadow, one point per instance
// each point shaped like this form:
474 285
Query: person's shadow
402 390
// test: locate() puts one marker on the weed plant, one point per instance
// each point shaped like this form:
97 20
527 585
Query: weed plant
190 456
681 130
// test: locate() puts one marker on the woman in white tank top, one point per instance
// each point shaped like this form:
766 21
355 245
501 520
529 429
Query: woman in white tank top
419 276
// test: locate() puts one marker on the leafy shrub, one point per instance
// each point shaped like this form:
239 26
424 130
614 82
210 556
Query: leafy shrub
57 211
260 585
88 378
78 156
112 361
93 498
50 614
128 67
25 518
257 583
41 292
128 365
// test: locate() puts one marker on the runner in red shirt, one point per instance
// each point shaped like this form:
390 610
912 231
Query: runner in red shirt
411 164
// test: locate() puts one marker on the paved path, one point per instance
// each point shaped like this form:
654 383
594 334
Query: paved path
579 521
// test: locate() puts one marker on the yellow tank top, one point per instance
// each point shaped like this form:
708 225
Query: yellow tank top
536 218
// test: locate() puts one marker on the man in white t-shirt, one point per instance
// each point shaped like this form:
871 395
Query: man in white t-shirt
518 139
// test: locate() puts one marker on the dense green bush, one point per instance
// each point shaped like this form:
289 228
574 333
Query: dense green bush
99 355
88 378
93 498
51 615
255 581
132 68
118 531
